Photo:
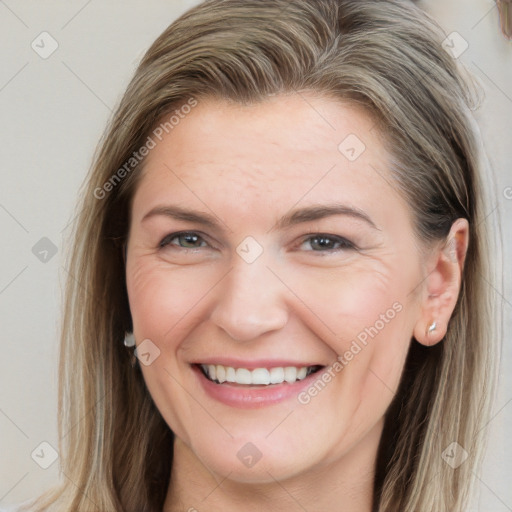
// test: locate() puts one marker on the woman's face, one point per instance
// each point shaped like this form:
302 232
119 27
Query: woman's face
265 239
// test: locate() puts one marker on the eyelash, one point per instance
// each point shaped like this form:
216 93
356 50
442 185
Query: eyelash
345 244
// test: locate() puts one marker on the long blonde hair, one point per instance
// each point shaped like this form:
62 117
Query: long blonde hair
386 56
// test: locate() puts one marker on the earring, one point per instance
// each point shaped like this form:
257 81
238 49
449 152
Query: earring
129 339
432 327
129 342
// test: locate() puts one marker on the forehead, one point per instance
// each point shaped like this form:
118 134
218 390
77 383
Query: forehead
286 149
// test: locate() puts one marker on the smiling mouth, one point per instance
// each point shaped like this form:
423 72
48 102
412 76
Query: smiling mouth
221 374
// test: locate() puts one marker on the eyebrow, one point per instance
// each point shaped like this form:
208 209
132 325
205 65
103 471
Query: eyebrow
294 217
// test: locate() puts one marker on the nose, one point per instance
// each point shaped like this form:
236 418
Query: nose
250 302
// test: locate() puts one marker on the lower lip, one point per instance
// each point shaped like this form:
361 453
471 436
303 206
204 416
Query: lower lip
253 397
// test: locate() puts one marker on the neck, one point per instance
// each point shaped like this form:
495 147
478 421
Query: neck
345 484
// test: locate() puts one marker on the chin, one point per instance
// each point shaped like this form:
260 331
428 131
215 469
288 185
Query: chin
261 461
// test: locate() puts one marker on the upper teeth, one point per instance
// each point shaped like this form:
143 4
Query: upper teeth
276 375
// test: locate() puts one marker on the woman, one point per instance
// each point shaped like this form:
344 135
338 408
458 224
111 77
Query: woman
286 218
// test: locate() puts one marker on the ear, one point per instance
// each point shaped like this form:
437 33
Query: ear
442 285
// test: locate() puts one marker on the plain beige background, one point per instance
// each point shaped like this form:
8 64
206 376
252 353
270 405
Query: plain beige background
53 111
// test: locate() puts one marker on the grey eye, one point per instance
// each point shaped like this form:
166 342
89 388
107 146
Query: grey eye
324 243
185 240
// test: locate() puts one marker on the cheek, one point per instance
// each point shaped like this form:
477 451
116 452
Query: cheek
163 303
164 299
368 316
347 300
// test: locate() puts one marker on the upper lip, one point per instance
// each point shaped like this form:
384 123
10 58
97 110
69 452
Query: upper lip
255 363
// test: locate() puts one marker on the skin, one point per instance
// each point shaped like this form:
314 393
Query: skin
248 166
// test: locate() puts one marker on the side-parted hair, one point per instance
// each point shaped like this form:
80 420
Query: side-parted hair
385 56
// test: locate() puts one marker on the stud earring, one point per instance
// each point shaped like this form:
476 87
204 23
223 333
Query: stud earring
432 327
129 342
129 339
